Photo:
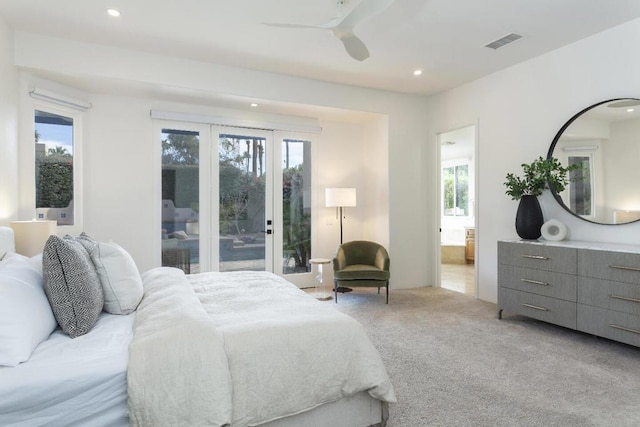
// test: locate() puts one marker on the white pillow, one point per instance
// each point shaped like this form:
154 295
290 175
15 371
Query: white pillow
10 257
119 277
26 318
7 243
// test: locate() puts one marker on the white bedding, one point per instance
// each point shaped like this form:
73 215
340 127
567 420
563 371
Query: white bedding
80 382
287 351
282 351
278 352
177 372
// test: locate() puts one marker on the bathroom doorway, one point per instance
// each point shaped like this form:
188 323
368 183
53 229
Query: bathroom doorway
457 210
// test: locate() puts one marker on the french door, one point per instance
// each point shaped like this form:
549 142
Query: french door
236 199
244 213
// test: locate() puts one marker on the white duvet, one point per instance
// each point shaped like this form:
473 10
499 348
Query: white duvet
283 351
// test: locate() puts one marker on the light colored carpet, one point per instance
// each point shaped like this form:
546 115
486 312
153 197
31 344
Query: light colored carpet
453 363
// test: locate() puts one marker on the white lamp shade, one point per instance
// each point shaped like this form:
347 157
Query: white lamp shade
340 197
30 236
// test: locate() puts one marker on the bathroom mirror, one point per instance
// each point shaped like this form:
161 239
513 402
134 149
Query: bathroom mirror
604 139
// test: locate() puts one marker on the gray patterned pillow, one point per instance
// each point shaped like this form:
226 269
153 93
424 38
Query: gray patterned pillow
72 285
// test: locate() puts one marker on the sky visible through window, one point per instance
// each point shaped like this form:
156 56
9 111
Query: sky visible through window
296 152
53 135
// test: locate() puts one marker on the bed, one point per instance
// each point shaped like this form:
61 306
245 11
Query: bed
238 349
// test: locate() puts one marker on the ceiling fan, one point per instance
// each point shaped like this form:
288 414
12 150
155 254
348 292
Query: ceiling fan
343 25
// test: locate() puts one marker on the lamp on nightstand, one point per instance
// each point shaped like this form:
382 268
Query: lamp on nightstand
30 236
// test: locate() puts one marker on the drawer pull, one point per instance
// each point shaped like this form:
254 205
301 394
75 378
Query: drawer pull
535 282
622 328
535 307
624 267
624 298
535 257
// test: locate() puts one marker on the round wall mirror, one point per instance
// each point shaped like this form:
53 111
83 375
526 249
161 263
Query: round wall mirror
604 140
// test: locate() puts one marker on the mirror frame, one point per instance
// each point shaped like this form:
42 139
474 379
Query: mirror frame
556 196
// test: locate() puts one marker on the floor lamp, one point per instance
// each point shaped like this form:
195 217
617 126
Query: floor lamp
340 198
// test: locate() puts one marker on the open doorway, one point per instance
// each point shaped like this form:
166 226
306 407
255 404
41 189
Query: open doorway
457 210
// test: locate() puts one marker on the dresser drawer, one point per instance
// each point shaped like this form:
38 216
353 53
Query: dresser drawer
541 282
617 266
539 307
540 256
614 325
618 296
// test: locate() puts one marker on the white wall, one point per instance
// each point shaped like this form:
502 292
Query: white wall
519 111
341 146
404 141
8 128
376 176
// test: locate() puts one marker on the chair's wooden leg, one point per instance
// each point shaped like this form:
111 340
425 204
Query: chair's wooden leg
335 290
378 290
387 292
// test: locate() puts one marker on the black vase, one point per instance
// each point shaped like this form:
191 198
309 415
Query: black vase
529 218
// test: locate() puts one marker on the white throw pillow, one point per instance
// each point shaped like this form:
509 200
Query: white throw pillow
119 277
10 257
26 318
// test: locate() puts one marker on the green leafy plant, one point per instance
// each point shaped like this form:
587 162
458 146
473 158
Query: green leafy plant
538 175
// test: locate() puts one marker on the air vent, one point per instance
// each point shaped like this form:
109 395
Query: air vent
509 38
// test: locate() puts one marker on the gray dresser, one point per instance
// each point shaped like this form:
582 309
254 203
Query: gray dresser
591 287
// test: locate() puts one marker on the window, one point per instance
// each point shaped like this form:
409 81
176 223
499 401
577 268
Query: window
455 179
54 167
580 186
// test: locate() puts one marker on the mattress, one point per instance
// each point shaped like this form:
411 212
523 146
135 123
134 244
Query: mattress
81 381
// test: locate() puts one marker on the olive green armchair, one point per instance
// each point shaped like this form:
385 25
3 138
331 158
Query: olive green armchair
361 264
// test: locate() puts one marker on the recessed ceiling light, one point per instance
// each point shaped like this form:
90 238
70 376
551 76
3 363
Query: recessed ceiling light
417 73
253 104
630 110
113 12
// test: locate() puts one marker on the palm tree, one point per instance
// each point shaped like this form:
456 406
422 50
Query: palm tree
58 151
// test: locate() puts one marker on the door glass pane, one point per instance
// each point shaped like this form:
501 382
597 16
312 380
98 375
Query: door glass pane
296 206
54 167
243 173
180 199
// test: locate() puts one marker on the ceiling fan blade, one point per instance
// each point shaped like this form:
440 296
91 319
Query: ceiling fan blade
363 11
274 24
354 46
